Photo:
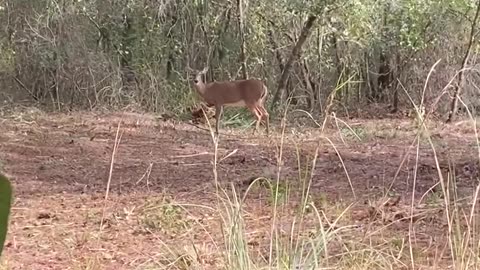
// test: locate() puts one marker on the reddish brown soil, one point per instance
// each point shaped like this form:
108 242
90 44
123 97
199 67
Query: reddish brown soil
60 165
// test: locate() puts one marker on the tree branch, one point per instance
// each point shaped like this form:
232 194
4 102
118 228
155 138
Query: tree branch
293 56
459 86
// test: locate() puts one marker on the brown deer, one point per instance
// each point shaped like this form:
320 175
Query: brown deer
250 93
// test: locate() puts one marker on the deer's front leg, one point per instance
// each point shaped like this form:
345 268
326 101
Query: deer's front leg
218 115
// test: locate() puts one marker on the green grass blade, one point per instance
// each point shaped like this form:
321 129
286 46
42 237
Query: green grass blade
5 204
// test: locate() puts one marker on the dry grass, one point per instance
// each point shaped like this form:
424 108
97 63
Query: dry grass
164 210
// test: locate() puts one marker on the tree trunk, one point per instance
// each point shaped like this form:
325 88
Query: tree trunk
461 80
290 93
338 64
395 83
219 48
293 56
384 76
128 73
277 52
308 83
317 94
275 48
241 28
201 16
367 80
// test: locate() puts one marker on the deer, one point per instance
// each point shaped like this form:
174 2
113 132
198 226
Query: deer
250 93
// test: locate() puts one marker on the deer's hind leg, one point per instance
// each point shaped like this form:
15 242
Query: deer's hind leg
265 115
258 115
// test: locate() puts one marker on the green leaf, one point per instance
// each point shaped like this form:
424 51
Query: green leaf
5 205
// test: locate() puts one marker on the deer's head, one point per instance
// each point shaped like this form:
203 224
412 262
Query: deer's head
199 76
198 81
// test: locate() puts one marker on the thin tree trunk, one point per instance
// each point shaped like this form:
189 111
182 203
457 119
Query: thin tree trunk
385 76
340 67
275 48
280 59
201 16
219 48
395 83
241 28
461 80
128 73
307 81
293 56
317 93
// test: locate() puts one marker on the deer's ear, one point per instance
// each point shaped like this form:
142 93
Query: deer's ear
189 69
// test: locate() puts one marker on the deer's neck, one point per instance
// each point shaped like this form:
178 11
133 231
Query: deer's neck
201 88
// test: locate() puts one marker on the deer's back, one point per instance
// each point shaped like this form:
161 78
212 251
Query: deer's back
234 93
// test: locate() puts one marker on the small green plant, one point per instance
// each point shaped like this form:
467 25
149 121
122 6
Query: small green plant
434 199
398 243
238 118
5 205
354 133
165 216
320 200
278 192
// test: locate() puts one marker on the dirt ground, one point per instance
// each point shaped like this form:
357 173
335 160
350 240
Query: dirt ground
162 199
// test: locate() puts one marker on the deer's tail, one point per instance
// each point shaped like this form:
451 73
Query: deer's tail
265 92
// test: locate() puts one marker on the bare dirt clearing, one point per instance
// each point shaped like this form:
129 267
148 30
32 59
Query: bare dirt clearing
163 194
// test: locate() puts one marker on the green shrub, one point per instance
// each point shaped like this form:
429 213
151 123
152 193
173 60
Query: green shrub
5 204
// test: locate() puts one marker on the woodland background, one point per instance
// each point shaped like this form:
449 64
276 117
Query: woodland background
124 190
64 54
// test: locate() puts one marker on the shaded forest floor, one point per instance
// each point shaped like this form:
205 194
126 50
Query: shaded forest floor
162 211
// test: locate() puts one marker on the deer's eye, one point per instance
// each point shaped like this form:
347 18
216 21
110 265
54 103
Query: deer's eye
195 81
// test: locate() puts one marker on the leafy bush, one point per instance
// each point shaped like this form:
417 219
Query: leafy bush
5 205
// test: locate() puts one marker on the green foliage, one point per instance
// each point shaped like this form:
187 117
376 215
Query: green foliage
117 53
278 193
7 58
354 133
165 216
5 205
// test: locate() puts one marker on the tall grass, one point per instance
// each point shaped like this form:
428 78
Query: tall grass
303 234
461 230
313 242
304 246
